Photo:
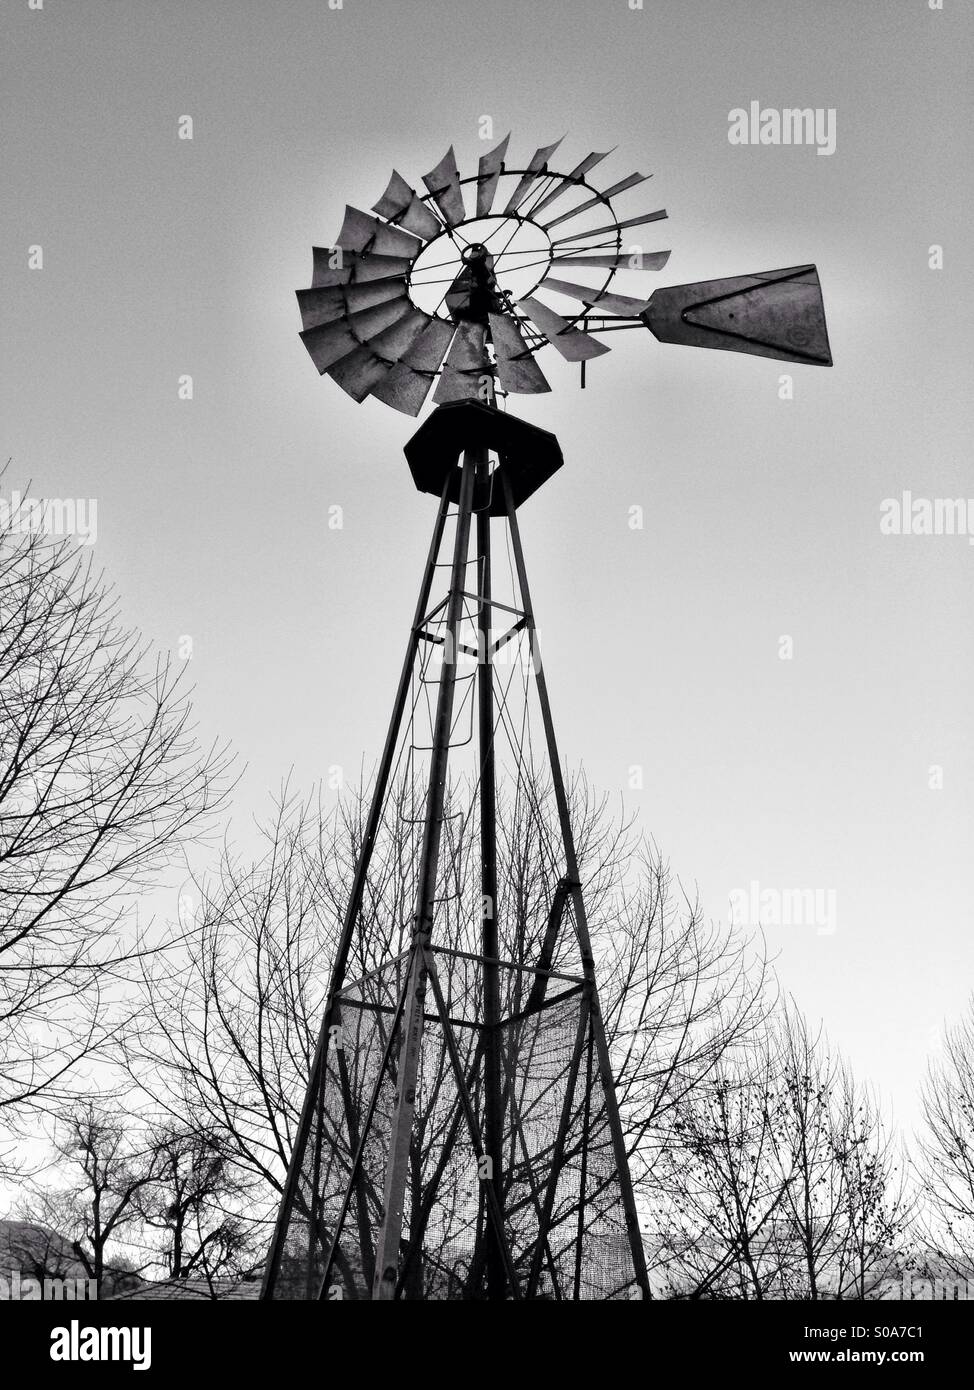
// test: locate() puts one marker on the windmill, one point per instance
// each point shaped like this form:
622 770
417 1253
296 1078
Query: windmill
460 1135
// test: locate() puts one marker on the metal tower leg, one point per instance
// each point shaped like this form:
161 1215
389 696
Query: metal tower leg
332 1013
493 1111
581 921
390 1232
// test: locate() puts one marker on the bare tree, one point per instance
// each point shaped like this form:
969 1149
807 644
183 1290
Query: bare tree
946 1154
128 1198
38 1252
847 1201
722 1192
188 1205
90 1196
878 1218
783 1182
677 993
100 783
235 1030
807 1079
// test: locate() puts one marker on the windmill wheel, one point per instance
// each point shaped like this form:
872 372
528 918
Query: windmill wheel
425 289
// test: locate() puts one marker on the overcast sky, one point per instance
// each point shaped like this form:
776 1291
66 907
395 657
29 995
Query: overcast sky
164 257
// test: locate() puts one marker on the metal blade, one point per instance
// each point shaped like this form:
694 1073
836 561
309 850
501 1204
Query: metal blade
534 170
329 342
401 204
613 227
444 184
457 386
353 268
466 366
569 181
619 187
615 303
572 343
319 305
645 260
362 232
516 367
775 313
364 368
469 350
488 172
408 383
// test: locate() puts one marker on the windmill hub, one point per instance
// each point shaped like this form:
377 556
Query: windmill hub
507 255
475 294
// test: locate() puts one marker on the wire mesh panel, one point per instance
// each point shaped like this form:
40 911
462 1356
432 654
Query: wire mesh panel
440 1225
338 1200
563 1222
563 1202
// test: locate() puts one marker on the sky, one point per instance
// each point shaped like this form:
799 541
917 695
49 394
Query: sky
761 516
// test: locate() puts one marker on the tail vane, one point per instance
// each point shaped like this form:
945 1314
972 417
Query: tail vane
774 313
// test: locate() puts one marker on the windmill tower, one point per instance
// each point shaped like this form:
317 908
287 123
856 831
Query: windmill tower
460 1136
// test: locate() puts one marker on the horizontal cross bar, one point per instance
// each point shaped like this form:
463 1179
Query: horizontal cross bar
493 603
507 964
440 641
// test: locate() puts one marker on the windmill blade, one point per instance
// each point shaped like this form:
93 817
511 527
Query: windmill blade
329 342
361 370
619 187
516 367
361 232
353 268
488 172
408 384
466 366
444 184
570 180
615 303
533 172
324 305
402 205
774 313
571 342
645 260
613 227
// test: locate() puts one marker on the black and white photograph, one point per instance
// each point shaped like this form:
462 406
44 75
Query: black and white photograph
486 671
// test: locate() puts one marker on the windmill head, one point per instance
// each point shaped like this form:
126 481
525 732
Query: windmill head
451 288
